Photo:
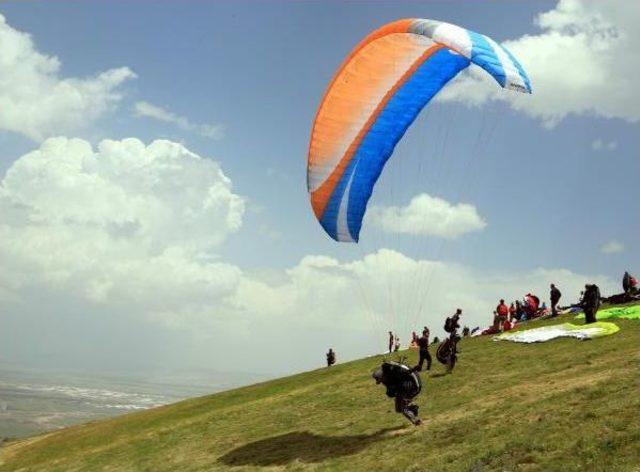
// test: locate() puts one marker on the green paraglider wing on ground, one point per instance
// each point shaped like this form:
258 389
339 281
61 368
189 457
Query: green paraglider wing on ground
628 312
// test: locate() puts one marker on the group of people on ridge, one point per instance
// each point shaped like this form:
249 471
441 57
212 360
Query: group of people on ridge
403 383
505 317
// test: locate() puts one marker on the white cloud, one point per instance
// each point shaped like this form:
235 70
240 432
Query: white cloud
428 216
602 145
37 102
583 62
125 221
148 110
612 247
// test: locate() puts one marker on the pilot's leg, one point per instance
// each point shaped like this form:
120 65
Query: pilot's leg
410 412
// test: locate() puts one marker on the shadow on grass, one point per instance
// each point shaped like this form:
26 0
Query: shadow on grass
302 446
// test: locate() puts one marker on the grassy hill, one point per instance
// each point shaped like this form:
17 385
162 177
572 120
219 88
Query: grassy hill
561 405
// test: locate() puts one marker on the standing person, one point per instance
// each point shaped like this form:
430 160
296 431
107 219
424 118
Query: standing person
554 295
512 312
590 302
331 357
520 314
451 324
423 344
626 282
391 341
447 351
503 312
396 346
629 284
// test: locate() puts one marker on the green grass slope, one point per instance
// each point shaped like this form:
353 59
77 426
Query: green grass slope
561 405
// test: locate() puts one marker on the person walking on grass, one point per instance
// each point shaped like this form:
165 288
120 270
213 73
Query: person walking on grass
423 344
447 352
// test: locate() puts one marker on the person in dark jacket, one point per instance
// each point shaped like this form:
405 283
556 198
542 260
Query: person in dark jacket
447 352
629 284
554 295
423 344
590 302
392 341
403 384
331 357
451 324
519 311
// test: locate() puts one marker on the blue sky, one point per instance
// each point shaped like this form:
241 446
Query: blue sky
552 195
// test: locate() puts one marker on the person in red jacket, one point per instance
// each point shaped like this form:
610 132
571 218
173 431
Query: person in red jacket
503 313
531 305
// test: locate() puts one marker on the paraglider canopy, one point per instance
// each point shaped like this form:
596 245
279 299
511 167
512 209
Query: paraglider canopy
374 97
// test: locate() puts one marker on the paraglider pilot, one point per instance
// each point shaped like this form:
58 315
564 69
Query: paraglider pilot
403 384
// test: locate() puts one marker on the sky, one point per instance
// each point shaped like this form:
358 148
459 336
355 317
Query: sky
153 203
